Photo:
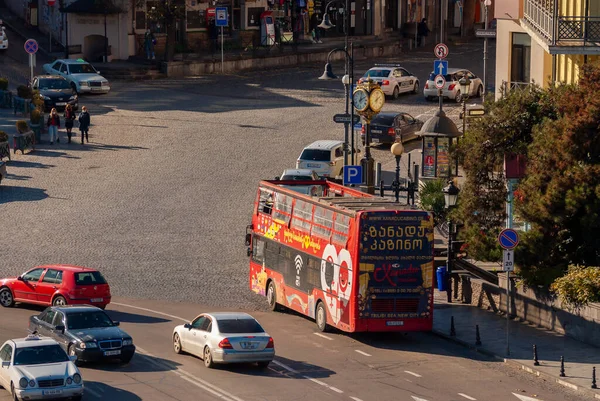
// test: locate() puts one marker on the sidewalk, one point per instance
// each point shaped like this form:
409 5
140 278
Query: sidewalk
579 358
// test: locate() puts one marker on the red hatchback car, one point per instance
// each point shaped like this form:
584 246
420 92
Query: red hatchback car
56 285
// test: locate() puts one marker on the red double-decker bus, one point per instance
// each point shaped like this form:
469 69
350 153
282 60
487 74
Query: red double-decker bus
345 258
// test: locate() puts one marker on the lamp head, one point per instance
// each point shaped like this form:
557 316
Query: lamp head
325 24
328 73
346 79
450 194
488 3
465 84
397 149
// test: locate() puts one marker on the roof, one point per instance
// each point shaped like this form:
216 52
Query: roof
390 114
66 309
92 7
33 341
325 144
68 267
71 61
230 315
49 76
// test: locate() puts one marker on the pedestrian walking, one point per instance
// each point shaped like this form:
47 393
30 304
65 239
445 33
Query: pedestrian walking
53 124
422 31
149 42
84 124
213 35
69 118
314 28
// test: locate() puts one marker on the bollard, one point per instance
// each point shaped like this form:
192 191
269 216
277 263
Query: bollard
452 330
477 337
594 378
535 357
562 366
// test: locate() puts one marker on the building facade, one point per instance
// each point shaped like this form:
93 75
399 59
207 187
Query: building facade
545 41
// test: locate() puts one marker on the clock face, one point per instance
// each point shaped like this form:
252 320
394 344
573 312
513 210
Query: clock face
376 100
360 99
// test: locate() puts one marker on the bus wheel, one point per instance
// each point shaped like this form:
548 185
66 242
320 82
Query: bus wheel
272 296
321 317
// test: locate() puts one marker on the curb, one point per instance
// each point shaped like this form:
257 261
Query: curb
518 365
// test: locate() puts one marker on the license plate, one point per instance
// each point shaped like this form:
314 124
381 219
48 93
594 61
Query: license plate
96 299
111 353
376 131
249 345
394 323
313 165
61 103
52 392
375 140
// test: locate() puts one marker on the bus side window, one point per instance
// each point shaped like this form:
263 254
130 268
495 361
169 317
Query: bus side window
265 202
258 253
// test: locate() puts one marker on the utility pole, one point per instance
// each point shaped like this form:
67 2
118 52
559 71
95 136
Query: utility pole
485 48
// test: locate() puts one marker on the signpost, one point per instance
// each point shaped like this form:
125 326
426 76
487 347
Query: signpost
440 81
352 175
31 47
440 67
346 118
221 21
508 240
485 33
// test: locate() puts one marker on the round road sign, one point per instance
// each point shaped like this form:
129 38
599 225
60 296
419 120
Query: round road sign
508 238
51 2
441 51
440 81
31 46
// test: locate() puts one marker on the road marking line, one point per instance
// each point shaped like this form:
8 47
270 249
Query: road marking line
412 373
356 399
323 336
286 367
316 381
151 311
92 392
467 397
337 390
362 352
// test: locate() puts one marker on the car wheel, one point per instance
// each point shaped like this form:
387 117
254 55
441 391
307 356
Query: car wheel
71 352
263 365
59 300
416 88
12 392
208 361
396 93
177 344
272 296
480 91
6 297
321 317
458 97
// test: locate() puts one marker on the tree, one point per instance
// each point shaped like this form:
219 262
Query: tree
167 12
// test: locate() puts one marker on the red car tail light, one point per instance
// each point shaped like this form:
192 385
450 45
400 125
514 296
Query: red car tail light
451 87
427 85
225 344
391 132
385 82
270 344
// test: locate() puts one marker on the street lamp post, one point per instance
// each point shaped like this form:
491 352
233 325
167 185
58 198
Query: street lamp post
397 149
450 198
487 3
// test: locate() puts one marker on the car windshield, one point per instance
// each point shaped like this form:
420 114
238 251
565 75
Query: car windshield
447 77
316 155
88 320
81 69
239 326
89 278
383 120
40 355
296 178
54 84
377 74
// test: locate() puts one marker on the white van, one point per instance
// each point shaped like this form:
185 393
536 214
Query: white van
324 157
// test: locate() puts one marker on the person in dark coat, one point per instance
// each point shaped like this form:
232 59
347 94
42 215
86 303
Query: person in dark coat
84 124
69 118
422 31
213 35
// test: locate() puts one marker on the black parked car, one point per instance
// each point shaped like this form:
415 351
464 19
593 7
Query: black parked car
393 127
85 331
55 91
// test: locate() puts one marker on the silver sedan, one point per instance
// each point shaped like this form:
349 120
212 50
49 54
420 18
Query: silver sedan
451 89
225 337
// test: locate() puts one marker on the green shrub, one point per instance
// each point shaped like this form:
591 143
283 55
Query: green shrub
3 84
36 116
24 91
431 198
22 126
580 286
37 100
3 136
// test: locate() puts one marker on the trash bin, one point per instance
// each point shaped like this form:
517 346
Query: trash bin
442 278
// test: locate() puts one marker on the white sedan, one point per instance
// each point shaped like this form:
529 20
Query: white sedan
35 368
225 337
393 79
82 76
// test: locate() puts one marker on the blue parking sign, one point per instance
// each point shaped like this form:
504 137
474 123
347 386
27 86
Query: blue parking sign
221 16
352 175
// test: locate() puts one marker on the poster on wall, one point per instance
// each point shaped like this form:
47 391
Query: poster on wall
413 10
443 158
429 157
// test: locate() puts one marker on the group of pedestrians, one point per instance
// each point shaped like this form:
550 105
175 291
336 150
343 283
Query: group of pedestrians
53 124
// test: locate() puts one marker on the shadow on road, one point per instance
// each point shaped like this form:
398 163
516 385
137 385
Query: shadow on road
21 194
141 363
126 317
25 164
101 391
282 368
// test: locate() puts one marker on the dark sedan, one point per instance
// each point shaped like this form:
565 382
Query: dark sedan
56 92
393 127
85 331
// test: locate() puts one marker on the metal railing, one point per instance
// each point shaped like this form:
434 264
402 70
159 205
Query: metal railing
508 86
540 14
579 29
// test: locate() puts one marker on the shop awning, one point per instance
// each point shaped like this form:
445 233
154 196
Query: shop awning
92 7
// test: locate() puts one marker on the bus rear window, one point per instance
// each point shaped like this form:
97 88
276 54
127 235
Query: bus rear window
89 278
316 155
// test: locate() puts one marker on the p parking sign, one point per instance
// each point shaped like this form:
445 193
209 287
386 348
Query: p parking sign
352 175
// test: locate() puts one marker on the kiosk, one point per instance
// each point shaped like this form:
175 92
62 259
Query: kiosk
267 29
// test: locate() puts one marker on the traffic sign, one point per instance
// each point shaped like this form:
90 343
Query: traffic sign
352 175
508 260
51 2
440 81
440 67
31 46
221 16
441 51
485 33
508 238
346 118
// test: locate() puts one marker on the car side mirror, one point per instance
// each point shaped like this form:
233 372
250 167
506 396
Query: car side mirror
249 251
20 278
73 358
276 178
187 326
248 239
60 329
98 72
117 323
5 364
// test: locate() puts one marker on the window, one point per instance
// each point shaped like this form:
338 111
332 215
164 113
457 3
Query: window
82 69
271 254
405 73
88 320
258 251
409 119
339 152
53 84
323 222
206 324
237 326
63 68
316 155
313 272
265 201
39 355
58 319
6 353
283 207
52 276
49 316
520 58
341 228
33 275
377 74
397 73
89 278
199 322
302 216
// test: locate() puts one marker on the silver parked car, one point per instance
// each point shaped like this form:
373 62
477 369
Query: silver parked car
225 337
451 89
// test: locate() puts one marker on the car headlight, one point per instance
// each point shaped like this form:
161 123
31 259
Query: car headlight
73 97
69 380
104 83
45 97
88 344
23 382
31 383
77 378
128 342
83 83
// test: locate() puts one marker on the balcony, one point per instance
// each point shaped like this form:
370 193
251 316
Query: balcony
562 34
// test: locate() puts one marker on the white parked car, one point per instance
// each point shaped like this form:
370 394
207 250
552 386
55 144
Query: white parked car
37 368
393 79
324 157
3 37
225 337
82 76
451 89
302 174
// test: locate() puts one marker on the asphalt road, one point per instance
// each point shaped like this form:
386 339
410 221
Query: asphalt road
14 62
308 365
